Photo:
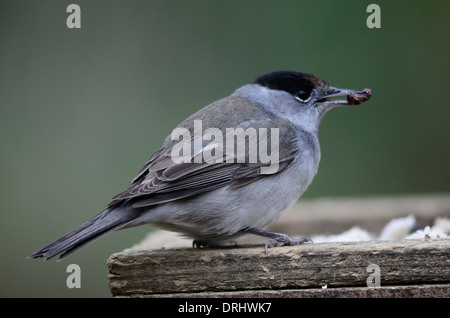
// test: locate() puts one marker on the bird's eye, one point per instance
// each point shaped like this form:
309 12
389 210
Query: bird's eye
303 96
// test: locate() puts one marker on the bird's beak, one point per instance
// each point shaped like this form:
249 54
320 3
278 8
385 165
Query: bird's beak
352 97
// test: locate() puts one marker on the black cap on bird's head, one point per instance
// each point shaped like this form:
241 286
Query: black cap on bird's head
307 87
289 81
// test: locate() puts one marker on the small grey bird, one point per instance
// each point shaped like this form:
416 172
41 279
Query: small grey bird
235 191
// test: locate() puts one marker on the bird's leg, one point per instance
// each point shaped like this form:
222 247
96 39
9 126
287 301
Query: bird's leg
278 239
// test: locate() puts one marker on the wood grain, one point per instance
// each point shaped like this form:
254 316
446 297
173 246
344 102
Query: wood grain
249 268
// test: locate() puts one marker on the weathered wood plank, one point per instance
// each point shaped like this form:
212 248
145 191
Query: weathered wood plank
409 291
143 272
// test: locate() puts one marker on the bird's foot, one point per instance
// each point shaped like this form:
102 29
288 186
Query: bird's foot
278 239
285 240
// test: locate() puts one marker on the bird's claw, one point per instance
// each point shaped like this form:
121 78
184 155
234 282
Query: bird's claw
286 240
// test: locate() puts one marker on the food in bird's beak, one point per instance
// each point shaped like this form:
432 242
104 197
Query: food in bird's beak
355 98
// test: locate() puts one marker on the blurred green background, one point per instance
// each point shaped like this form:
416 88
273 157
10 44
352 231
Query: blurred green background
83 109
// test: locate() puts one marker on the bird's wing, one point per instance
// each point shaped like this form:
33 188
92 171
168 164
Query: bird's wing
164 179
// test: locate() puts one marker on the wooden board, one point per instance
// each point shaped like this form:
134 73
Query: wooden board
409 291
249 269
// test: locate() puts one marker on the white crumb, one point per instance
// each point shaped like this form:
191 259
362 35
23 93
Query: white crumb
352 235
398 229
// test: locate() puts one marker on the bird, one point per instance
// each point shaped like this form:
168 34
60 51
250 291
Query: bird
213 180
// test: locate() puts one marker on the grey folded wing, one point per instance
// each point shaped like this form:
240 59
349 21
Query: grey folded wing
163 180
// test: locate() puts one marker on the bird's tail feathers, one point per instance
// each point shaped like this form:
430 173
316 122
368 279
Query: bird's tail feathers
102 224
